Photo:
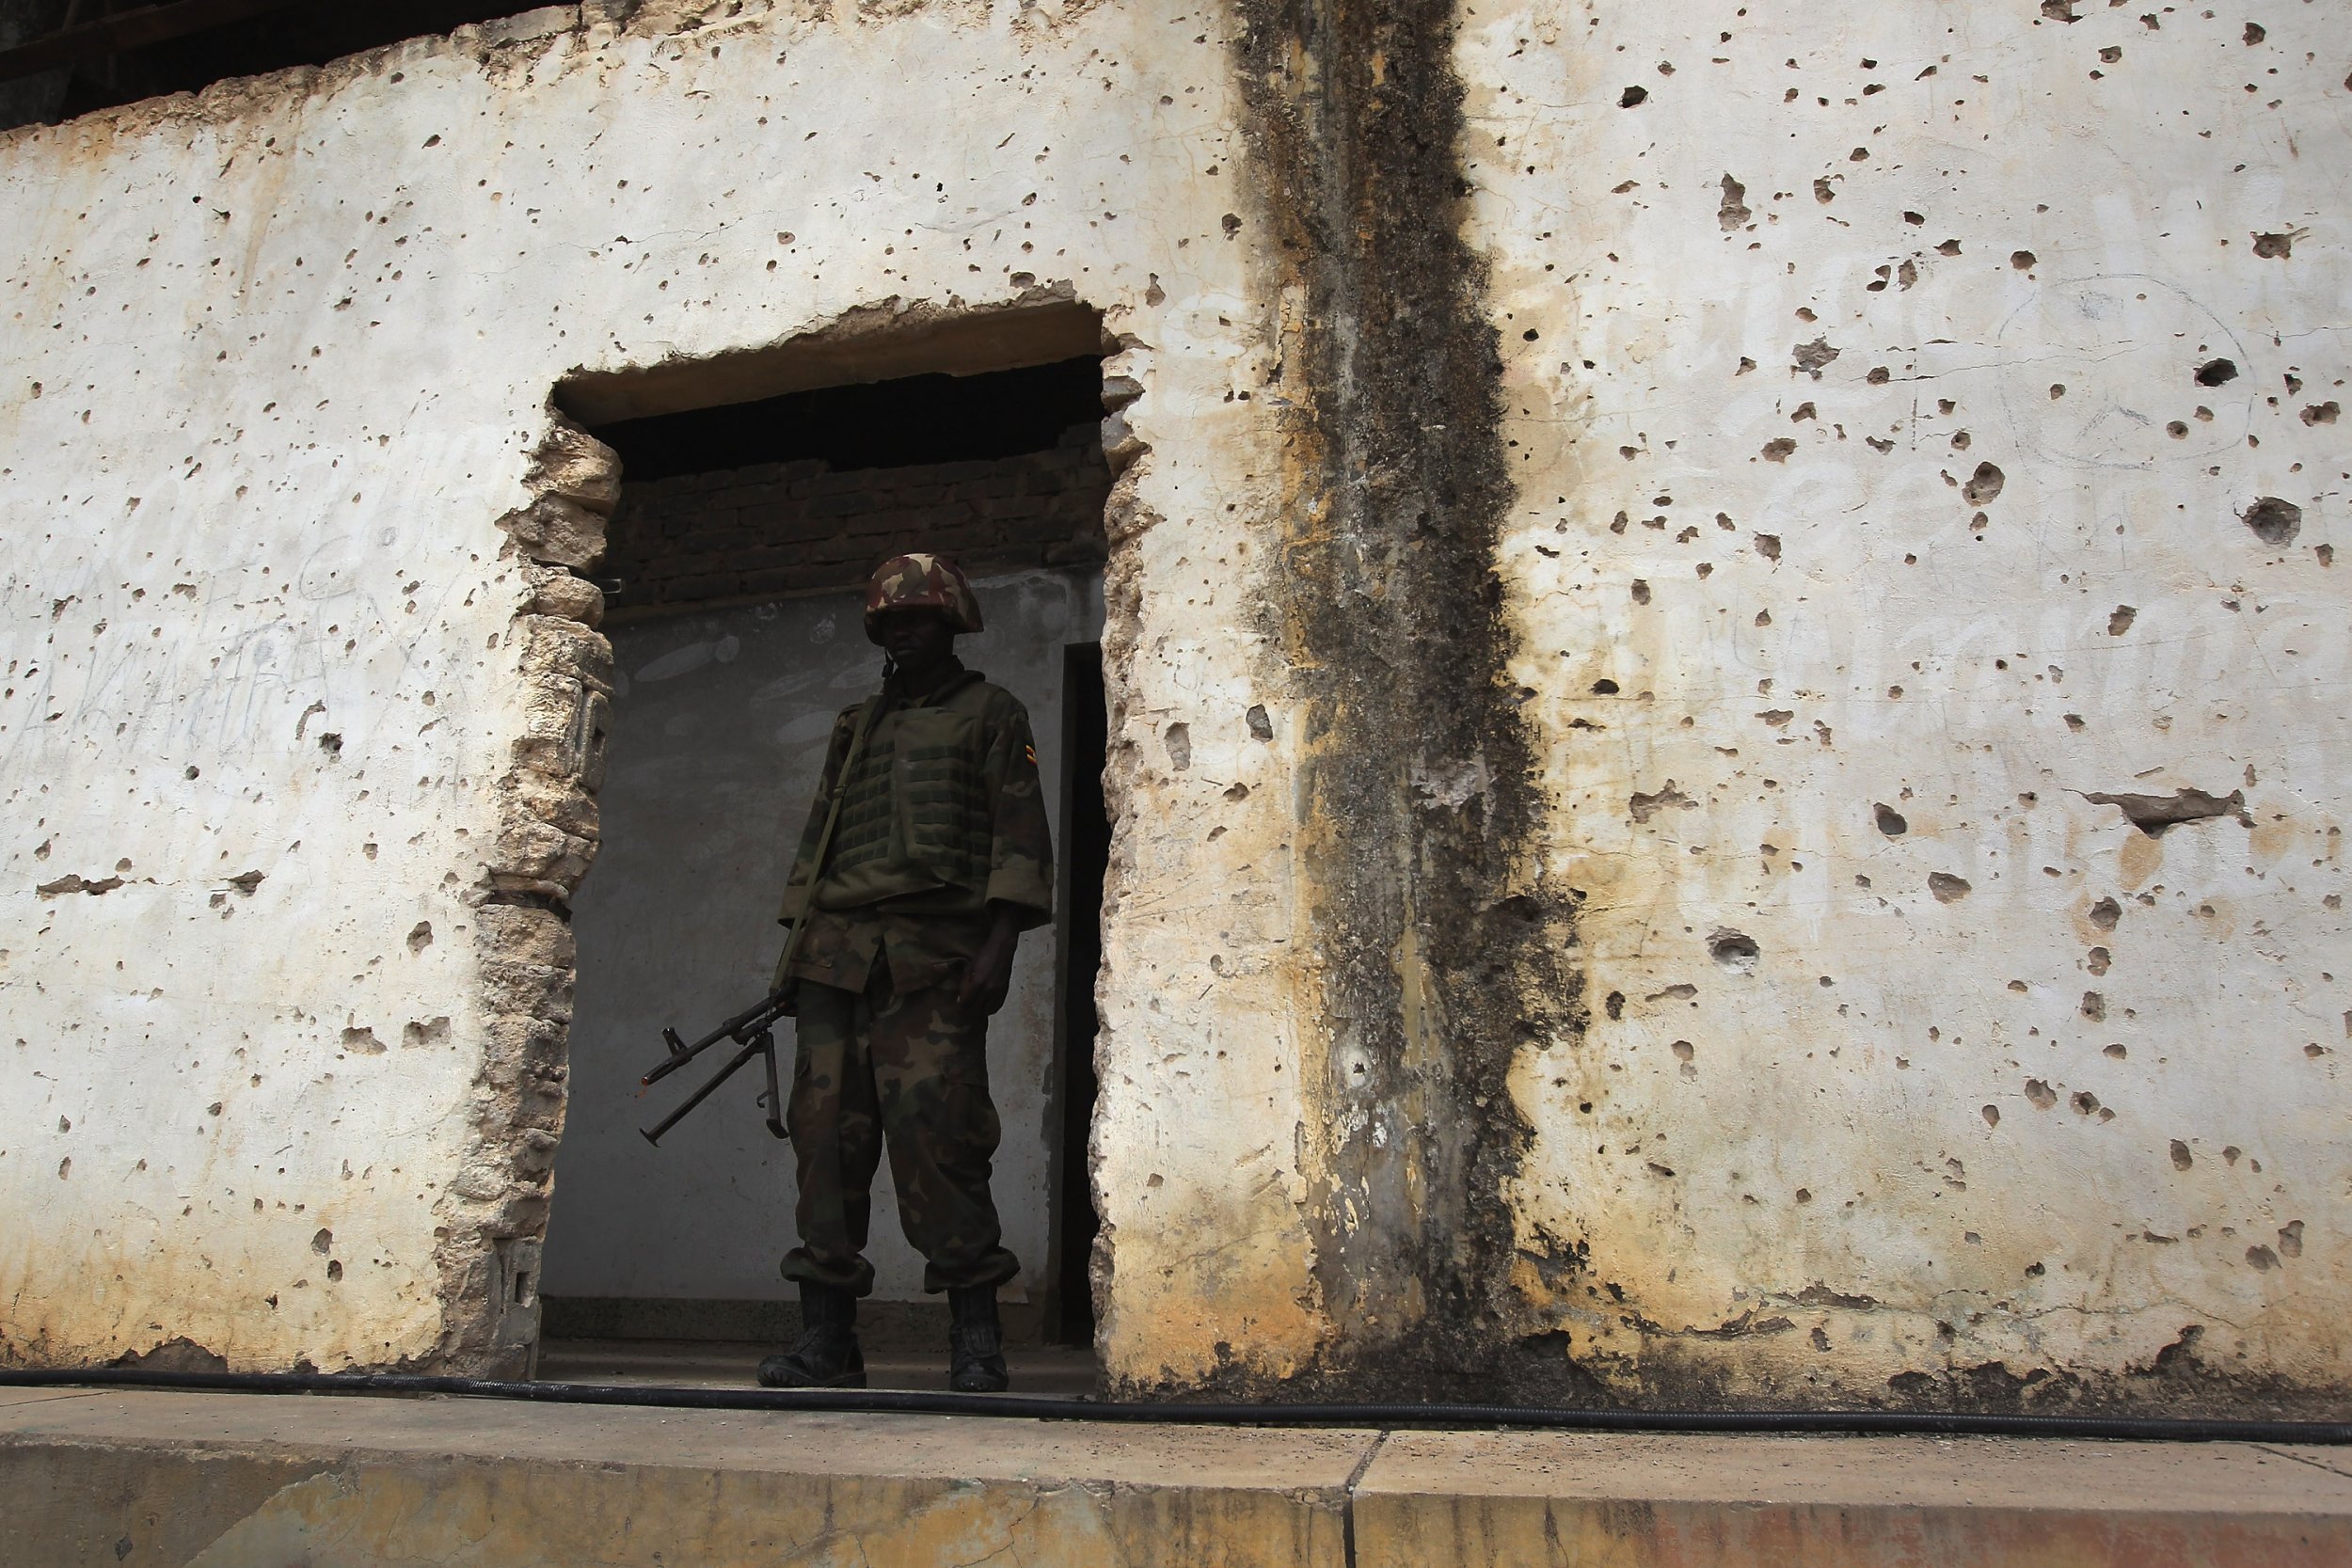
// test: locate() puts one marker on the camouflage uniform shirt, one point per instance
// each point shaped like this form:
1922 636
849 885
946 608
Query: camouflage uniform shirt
926 920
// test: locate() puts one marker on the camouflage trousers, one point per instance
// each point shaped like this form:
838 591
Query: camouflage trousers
910 1068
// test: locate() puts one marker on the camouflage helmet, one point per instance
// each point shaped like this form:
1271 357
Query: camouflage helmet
921 581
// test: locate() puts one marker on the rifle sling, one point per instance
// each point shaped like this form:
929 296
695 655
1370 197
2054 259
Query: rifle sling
824 839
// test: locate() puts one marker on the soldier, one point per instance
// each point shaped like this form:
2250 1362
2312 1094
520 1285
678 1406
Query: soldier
939 860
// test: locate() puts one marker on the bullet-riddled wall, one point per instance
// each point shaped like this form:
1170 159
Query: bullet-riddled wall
1721 624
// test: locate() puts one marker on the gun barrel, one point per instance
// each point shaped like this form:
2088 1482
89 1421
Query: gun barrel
751 1020
653 1134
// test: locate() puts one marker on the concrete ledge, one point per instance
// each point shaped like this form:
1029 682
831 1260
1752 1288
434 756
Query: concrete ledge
228 1481
1536 1501
220 1480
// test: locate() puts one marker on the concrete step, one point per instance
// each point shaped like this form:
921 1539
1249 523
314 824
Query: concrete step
231 1481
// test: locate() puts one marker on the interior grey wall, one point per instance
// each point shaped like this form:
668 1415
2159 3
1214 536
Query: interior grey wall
719 731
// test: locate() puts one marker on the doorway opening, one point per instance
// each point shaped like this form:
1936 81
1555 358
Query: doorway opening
734 582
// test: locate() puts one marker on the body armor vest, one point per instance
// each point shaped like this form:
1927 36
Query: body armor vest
915 814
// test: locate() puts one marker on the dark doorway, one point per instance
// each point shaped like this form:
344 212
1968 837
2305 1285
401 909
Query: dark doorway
1086 857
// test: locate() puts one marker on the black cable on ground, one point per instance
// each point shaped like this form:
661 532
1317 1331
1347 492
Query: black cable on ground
913 1402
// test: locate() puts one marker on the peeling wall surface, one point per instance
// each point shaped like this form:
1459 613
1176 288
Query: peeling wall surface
1725 668
720 723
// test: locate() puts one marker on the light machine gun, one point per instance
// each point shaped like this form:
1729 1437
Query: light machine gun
756 1029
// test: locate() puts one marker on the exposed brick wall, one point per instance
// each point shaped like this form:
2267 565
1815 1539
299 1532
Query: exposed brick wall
774 528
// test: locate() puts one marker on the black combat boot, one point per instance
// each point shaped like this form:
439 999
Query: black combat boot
976 1345
827 1356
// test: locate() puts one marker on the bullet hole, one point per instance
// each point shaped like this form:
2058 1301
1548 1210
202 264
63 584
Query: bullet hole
1683 1051
422 937
2276 247
1914 217
1615 1004
2261 1259
2291 1239
1820 1339
1231 222
2115 1050
1949 247
1179 742
1805 1194
1778 448
334 1271
2097 962
363 1041
1983 485
2020 260
2217 373
2153 813
2094 1006
1239 792
1605 688
1734 951
2085 1103
2275 522
65 1168
2059 10
2105 913
1734 209
2040 1094
1821 192
1644 807
415 1036
2230 1154
1632 96
1811 358
331 743
2120 621
323 1243
2322 413
1961 440
2181 1159
1768 546
2254 33
2175 429
1948 888
1260 727
1891 822
64 1124
1992 1115
1880 376
1859 156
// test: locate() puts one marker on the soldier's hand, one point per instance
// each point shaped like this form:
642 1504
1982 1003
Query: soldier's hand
989 975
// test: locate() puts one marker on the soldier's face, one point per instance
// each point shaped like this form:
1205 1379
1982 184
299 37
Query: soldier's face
915 640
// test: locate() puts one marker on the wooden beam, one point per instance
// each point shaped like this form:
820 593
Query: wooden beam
131 30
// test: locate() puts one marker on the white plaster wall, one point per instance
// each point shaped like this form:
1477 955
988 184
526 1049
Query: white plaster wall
718 734
1865 1155
293 340
273 360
